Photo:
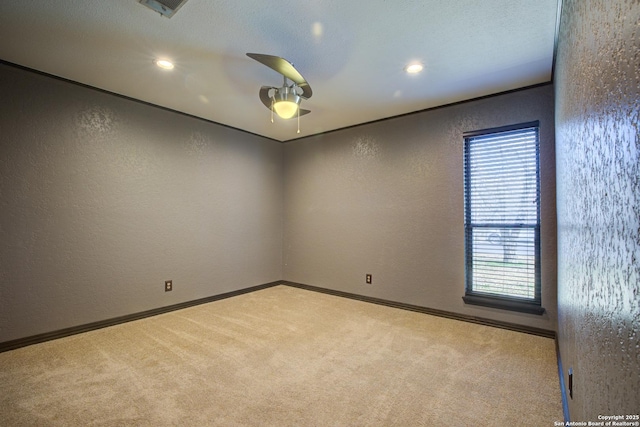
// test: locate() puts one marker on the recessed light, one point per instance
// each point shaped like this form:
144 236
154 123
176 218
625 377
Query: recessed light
164 64
414 68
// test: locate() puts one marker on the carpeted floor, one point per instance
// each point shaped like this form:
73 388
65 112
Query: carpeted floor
284 356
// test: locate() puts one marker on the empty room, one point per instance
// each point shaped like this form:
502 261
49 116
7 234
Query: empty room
320 213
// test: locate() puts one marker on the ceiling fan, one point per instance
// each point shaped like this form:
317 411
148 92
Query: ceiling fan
284 100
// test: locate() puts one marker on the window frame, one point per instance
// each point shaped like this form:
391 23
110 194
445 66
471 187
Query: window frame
506 302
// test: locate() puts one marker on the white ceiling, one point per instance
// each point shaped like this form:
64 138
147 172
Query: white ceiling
352 53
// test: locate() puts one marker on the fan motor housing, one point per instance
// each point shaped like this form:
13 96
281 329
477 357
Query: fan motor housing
286 94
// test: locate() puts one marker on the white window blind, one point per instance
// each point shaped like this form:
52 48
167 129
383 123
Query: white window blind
502 213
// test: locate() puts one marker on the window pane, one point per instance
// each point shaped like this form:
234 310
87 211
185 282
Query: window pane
502 213
503 178
504 261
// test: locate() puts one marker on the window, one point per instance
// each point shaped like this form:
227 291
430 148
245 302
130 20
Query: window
502 218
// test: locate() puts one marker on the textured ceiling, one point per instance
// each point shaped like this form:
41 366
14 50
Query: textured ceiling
351 52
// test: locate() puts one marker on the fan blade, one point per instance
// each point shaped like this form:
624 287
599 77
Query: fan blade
280 65
285 68
306 90
264 96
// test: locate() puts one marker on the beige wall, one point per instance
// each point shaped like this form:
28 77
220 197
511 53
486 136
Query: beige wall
387 198
598 146
103 199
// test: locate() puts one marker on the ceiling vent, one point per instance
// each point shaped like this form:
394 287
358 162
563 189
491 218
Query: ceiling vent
166 8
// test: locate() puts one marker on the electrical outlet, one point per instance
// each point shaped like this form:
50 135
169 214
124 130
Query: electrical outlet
570 382
368 279
168 285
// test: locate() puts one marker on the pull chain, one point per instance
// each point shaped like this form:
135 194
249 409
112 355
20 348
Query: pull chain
298 119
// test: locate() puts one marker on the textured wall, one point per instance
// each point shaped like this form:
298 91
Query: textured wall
387 199
102 199
598 158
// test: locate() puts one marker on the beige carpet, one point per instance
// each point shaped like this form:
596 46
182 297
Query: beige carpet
283 356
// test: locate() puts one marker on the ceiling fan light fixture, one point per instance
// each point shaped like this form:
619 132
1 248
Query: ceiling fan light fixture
286 103
285 100
285 109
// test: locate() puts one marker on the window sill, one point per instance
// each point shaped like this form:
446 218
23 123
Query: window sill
504 303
